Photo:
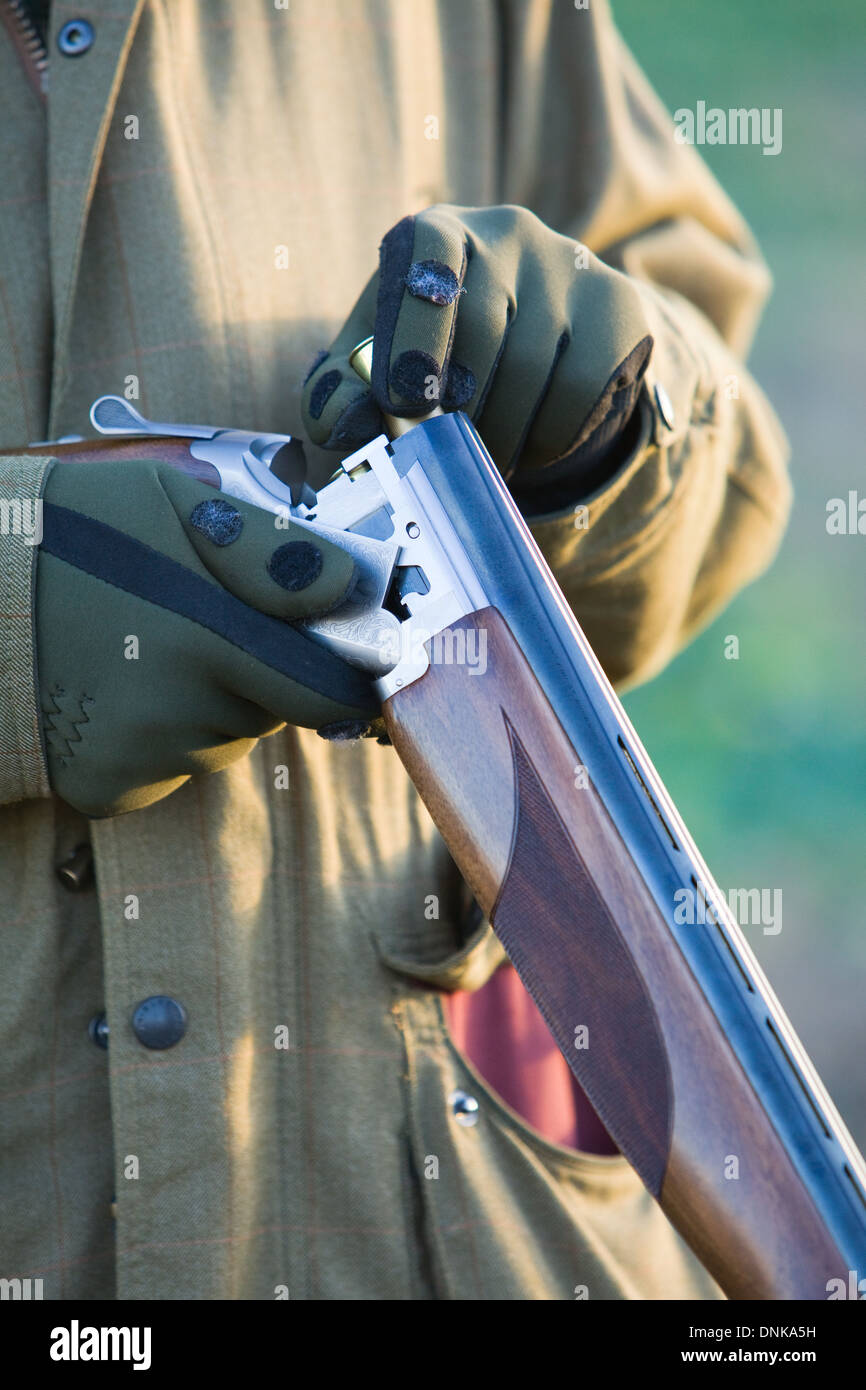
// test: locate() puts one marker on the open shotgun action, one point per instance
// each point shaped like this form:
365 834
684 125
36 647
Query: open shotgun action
553 812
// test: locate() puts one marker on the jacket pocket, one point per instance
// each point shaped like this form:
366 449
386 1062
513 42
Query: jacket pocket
510 1215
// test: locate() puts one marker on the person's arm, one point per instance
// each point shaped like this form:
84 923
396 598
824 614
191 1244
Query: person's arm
698 504
694 513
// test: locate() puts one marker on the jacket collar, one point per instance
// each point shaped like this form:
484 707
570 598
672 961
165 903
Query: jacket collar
81 98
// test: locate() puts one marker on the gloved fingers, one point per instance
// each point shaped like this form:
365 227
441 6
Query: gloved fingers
191 751
311 688
338 408
576 350
537 337
272 564
339 717
610 326
601 359
153 662
577 402
167 598
220 690
488 310
422 264
482 325
349 415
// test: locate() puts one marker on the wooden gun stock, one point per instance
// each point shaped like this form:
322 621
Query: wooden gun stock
549 867
171 449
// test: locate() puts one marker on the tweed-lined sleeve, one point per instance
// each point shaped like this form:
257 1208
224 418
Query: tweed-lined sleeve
23 773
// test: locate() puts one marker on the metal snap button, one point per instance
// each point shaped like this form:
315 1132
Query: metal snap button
159 1022
464 1108
665 406
98 1030
75 38
76 872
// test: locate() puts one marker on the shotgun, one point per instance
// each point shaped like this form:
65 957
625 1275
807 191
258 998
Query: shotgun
558 821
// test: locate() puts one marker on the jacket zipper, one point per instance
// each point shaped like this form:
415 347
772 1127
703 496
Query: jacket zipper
28 43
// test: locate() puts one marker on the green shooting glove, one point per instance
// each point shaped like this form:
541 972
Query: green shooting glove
489 311
164 645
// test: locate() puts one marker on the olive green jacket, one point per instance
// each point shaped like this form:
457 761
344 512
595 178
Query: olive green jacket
190 213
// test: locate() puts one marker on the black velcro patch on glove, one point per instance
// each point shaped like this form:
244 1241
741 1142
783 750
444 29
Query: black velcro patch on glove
432 280
316 363
295 565
356 425
218 520
323 391
395 258
410 376
460 385
344 730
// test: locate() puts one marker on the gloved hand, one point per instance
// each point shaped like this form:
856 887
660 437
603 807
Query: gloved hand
489 311
164 644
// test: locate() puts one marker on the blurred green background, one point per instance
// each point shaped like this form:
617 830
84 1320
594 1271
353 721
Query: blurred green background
766 756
